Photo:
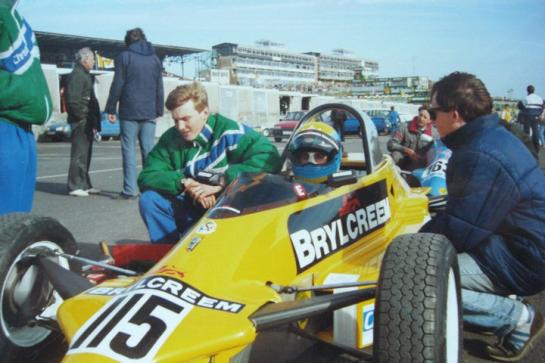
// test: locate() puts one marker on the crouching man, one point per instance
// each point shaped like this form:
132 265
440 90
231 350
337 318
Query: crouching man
172 198
495 216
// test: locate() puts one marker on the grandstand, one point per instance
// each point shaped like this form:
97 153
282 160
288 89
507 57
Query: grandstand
268 66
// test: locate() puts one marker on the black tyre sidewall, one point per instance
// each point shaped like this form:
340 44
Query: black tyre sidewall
17 232
411 305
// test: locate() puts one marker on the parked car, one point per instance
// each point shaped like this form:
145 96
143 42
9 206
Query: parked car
352 125
380 119
60 130
56 130
285 127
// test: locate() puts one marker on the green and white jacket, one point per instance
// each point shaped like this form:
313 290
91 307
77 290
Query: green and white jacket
24 96
223 146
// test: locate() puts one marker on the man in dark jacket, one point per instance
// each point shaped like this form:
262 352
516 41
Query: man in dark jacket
138 87
495 215
84 118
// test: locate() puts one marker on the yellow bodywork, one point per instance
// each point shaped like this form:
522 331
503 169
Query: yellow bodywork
230 263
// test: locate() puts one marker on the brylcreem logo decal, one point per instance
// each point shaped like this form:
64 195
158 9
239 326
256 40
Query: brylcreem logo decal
324 229
139 319
173 287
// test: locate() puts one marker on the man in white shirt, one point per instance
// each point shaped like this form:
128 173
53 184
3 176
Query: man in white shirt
530 110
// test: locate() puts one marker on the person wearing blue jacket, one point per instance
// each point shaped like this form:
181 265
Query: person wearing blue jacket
495 215
138 88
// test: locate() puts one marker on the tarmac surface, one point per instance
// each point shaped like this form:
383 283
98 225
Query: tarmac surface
101 217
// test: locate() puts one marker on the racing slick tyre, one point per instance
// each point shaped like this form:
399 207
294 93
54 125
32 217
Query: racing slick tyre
25 291
418 306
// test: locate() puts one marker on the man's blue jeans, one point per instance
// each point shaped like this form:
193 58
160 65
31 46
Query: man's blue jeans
17 168
484 304
168 217
541 133
144 131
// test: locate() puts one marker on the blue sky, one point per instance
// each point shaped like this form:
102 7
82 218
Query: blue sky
501 41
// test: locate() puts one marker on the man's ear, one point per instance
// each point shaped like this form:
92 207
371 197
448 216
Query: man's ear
206 111
457 118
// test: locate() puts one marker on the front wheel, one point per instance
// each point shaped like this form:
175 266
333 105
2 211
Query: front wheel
25 292
418 314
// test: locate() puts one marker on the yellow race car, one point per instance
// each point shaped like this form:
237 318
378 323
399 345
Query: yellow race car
340 262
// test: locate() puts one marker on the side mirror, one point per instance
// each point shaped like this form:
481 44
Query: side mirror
341 178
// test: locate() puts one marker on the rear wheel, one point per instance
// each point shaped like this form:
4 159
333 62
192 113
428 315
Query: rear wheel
418 314
25 291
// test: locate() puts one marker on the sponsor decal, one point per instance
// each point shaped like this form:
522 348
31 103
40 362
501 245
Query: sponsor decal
300 191
329 227
437 168
207 228
131 327
368 322
19 57
173 287
171 270
194 242
138 319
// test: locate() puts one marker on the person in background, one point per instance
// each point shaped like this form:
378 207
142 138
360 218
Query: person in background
138 88
529 111
172 197
338 117
495 216
315 152
24 101
409 145
394 119
506 114
84 119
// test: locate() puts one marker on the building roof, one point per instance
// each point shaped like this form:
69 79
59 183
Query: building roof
57 48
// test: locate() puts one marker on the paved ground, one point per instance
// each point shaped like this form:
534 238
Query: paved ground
102 218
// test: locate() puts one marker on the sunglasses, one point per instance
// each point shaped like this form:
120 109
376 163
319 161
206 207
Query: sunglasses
438 108
314 157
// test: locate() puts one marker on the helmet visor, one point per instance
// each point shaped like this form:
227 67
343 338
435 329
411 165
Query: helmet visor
303 157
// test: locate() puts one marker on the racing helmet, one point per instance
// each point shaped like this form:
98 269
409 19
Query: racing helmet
315 152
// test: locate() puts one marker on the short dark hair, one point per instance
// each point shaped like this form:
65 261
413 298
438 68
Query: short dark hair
134 35
530 89
463 92
423 107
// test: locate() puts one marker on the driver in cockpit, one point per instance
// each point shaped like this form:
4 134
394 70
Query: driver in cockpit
315 152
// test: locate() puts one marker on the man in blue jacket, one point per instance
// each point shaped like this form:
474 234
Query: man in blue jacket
495 215
138 87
